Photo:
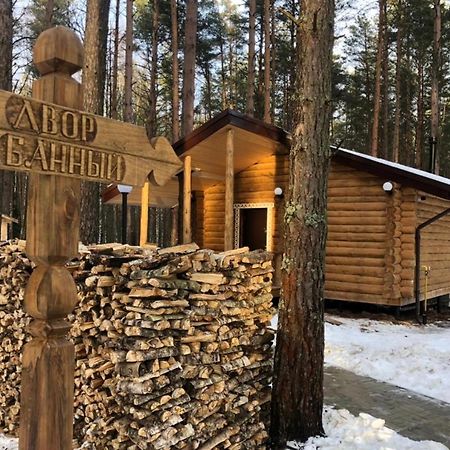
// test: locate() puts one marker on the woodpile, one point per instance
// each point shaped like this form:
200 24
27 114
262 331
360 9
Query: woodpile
173 348
15 269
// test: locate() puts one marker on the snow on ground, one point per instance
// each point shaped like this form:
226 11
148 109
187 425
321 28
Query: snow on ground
410 356
345 431
8 443
407 355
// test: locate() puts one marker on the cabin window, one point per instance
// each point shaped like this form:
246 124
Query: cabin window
253 225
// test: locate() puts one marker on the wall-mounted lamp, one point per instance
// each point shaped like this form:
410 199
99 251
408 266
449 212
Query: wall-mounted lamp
278 192
124 190
388 187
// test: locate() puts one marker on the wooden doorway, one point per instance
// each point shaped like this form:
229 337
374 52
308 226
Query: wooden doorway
253 225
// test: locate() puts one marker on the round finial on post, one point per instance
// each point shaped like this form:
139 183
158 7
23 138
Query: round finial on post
58 49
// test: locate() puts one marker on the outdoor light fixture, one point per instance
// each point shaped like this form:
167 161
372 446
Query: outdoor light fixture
124 190
278 192
388 187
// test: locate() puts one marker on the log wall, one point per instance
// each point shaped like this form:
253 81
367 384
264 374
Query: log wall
370 246
435 245
357 218
173 349
253 185
406 230
358 237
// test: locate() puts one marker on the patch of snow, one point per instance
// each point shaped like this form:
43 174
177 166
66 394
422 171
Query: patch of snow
7 443
412 357
345 431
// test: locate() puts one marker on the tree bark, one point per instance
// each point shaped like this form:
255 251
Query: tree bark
189 66
128 89
151 124
435 79
420 113
379 67
94 71
250 104
115 65
175 73
398 83
297 397
383 152
6 45
267 5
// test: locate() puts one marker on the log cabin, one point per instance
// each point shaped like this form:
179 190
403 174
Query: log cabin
236 165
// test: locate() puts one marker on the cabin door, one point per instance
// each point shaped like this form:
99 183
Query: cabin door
253 228
253 225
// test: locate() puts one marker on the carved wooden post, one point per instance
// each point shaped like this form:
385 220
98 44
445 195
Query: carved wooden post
52 238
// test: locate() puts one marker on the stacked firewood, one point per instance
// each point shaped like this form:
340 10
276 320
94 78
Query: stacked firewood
195 365
15 269
173 348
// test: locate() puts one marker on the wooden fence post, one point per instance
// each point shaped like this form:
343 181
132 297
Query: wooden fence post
46 421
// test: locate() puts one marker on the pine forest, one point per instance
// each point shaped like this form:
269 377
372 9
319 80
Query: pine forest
172 65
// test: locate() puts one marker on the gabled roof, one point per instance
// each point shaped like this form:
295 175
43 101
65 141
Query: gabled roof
234 118
207 142
407 176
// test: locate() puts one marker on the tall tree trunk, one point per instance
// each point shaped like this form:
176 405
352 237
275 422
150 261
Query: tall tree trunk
151 124
175 73
49 8
223 74
385 69
398 83
128 88
94 72
6 48
420 113
189 66
250 103
379 67
209 95
367 89
6 44
267 89
115 65
273 61
435 78
407 151
297 398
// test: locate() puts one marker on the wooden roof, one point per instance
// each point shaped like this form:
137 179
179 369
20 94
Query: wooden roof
390 171
256 140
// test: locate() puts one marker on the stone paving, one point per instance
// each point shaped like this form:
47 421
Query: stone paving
412 415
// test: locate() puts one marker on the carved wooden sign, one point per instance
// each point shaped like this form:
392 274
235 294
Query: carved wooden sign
50 139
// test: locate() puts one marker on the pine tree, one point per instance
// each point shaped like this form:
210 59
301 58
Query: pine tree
190 42
297 397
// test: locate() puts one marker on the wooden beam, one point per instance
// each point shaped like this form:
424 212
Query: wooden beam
229 192
145 202
187 200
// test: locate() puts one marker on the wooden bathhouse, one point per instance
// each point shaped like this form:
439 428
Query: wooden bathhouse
234 167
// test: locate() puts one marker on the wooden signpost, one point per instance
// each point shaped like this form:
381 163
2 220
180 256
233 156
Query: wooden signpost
59 145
